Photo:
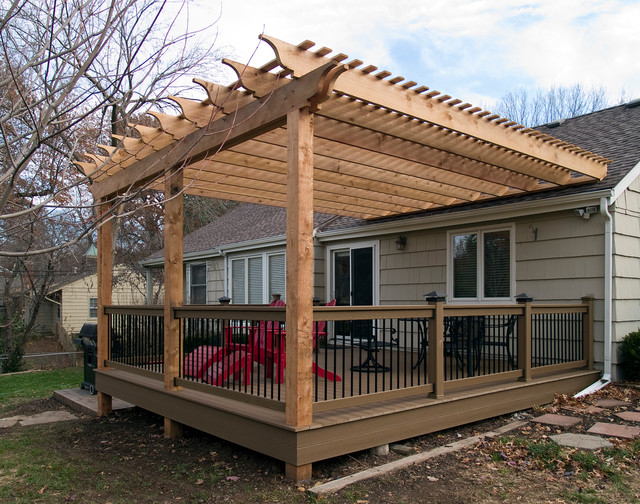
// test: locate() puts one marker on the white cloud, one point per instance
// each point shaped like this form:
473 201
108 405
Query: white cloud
465 48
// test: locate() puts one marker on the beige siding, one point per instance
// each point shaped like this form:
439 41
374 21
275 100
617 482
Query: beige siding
407 275
319 276
74 310
215 280
564 260
626 265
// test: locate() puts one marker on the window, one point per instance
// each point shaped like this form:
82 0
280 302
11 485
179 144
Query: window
93 307
481 265
198 292
254 279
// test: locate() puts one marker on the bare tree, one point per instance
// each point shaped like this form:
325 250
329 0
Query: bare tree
551 104
72 74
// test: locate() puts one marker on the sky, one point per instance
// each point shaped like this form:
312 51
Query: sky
476 51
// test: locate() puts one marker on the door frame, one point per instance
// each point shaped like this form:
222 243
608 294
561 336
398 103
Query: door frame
375 256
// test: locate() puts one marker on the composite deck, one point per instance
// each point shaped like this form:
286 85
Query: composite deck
434 367
341 426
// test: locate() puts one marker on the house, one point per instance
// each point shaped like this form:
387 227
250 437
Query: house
73 301
391 191
560 244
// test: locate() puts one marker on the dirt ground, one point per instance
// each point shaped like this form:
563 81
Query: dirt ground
125 458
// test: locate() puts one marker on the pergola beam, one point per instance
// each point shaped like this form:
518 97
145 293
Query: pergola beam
250 120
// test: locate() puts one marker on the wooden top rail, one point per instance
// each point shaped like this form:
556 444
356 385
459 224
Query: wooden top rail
232 312
329 313
560 308
482 310
146 310
371 312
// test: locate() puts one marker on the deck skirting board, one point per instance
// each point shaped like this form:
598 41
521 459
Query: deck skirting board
335 432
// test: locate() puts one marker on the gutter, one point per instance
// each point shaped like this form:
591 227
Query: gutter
608 299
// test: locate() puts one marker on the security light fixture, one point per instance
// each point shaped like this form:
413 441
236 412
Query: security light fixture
586 212
401 242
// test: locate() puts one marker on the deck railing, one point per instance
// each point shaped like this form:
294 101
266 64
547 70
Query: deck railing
359 351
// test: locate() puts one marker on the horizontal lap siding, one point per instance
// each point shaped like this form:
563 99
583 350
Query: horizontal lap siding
407 275
560 257
215 280
626 266
319 277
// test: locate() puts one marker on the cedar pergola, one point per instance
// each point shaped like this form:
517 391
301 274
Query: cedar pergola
314 131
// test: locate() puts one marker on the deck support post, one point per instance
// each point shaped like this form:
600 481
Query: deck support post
297 473
524 337
105 281
299 311
587 331
435 355
173 285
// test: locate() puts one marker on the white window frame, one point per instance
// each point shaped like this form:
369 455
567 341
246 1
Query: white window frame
480 231
265 274
190 280
331 250
93 308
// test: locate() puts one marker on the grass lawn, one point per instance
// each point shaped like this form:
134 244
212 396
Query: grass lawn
16 389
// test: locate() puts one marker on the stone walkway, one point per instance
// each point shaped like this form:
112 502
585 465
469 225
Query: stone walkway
597 434
78 400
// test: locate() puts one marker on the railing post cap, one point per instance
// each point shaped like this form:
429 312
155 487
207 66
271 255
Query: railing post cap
224 300
523 298
435 296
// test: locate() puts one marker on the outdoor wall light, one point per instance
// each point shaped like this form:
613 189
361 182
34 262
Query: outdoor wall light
586 212
401 242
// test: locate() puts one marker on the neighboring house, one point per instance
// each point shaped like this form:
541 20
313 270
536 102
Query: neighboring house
555 245
72 302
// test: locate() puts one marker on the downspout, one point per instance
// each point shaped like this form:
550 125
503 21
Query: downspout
608 300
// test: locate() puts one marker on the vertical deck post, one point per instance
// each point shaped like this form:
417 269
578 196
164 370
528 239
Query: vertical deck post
299 312
173 286
524 337
435 355
587 331
105 281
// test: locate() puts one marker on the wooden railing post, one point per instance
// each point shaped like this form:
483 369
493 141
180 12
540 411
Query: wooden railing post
435 355
173 286
587 331
105 281
524 337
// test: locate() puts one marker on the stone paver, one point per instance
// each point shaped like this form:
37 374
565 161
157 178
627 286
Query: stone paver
610 403
81 401
582 441
48 417
615 430
587 409
558 420
631 416
10 421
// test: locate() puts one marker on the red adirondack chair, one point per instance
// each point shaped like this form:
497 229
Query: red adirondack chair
269 348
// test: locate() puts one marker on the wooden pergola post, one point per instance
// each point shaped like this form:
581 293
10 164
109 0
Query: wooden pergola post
173 286
299 315
105 281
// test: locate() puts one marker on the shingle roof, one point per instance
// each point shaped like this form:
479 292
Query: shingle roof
243 223
613 133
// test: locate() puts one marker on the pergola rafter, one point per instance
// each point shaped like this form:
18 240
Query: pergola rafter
382 146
